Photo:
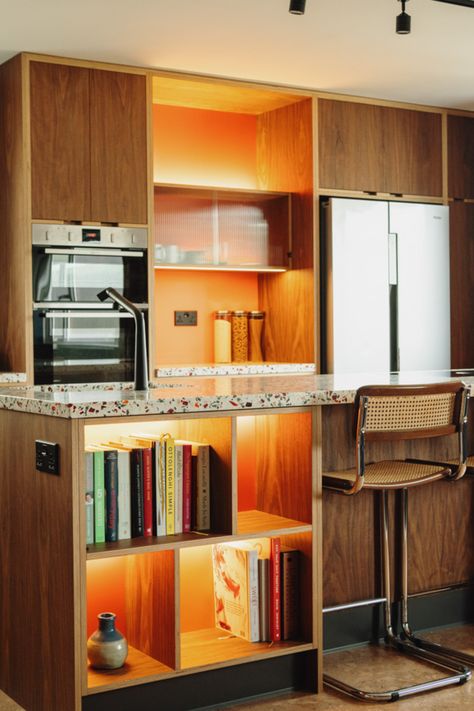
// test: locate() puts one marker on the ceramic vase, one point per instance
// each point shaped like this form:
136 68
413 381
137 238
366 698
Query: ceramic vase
107 648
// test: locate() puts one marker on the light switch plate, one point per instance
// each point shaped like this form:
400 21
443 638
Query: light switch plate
185 318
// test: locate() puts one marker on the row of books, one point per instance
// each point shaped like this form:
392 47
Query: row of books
256 589
146 485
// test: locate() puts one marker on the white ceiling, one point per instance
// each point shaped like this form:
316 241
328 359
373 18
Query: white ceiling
347 46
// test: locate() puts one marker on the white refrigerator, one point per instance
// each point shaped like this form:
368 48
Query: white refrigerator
384 286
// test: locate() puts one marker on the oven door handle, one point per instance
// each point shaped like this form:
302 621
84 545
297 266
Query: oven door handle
81 306
85 314
95 252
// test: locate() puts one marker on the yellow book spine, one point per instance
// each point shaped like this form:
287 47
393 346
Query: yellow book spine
170 496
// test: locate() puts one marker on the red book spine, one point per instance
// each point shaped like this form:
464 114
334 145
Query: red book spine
275 592
147 493
187 488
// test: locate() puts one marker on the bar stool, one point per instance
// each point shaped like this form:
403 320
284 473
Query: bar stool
389 414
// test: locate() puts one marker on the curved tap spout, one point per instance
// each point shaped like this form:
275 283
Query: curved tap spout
141 358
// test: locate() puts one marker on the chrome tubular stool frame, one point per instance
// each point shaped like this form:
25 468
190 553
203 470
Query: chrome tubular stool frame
402 413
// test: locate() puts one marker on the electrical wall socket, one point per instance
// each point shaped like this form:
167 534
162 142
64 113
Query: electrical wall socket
47 457
185 318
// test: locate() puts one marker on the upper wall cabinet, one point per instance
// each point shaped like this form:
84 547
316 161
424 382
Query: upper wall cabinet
88 144
460 157
379 149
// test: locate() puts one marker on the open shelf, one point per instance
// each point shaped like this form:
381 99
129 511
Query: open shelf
140 591
212 646
138 669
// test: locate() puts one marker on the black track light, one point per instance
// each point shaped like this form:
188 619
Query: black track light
403 21
297 7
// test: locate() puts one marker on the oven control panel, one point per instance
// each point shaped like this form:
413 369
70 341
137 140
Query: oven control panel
90 236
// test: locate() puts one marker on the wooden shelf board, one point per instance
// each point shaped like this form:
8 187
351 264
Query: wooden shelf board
153 544
224 193
138 668
250 523
206 647
257 522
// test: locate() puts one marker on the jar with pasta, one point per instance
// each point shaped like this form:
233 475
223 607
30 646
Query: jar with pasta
240 338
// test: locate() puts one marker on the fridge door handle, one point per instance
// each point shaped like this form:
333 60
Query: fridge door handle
392 258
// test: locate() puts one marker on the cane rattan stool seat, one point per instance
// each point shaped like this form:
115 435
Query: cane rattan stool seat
391 474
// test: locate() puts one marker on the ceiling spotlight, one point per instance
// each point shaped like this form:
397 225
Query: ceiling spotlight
403 21
297 7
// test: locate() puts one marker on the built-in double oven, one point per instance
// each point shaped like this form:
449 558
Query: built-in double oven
78 338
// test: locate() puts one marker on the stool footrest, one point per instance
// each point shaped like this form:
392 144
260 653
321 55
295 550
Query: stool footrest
442 651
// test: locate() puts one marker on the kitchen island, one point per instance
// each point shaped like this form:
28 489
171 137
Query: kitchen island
271 436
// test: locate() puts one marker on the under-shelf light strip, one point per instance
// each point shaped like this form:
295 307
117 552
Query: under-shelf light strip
220 269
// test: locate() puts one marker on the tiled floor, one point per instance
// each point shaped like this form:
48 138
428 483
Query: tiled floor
371 668
375 668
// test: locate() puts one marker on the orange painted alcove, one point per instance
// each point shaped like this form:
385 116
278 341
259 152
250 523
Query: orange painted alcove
200 147
204 292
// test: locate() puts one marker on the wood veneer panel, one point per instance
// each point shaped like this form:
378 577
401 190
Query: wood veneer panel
441 534
217 96
211 647
412 152
16 351
460 157
461 223
350 146
283 462
39 596
284 162
118 115
139 666
150 604
379 149
60 150
348 548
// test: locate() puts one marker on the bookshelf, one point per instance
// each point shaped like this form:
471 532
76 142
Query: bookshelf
152 585
163 587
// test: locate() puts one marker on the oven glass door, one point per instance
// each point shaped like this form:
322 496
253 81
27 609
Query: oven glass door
83 346
77 275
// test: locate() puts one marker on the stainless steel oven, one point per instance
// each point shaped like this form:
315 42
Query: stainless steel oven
77 338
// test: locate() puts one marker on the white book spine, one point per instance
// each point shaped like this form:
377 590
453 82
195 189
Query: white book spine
89 499
254 632
160 489
123 499
203 508
178 488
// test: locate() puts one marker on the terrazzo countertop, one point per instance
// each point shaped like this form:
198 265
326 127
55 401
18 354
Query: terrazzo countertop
205 369
12 377
228 394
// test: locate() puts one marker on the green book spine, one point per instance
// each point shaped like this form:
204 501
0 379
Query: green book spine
99 497
89 465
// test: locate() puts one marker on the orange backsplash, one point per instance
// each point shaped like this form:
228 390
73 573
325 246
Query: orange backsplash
204 292
201 147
